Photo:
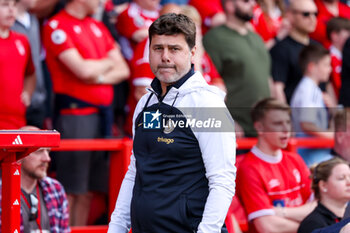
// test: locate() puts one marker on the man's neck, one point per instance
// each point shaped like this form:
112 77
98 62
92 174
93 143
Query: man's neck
332 7
313 78
270 6
237 25
343 152
76 10
266 148
145 6
164 87
338 47
4 33
21 10
28 183
299 37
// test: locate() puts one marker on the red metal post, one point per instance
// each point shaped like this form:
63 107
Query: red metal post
11 189
118 167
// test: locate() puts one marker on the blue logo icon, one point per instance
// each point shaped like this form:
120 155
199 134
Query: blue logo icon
151 120
279 203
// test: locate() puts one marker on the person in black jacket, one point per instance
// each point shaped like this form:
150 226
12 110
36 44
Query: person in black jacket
344 95
331 183
181 178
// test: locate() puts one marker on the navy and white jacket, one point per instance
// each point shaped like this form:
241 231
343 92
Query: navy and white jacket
179 181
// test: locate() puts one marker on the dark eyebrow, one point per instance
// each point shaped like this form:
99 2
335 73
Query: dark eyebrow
175 45
157 45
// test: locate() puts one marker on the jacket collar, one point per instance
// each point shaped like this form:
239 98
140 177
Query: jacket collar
325 211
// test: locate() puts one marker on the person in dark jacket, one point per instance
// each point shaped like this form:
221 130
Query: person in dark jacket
331 183
181 177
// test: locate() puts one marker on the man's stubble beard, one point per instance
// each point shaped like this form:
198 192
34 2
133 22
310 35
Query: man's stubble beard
243 16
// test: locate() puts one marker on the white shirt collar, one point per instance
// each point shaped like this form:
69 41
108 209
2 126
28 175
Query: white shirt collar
336 52
24 19
265 157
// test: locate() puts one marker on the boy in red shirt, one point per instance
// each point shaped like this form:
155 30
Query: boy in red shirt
326 11
338 31
17 74
273 185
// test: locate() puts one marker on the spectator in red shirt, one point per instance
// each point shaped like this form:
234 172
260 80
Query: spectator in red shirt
269 22
328 9
84 62
338 31
17 73
274 185
211 13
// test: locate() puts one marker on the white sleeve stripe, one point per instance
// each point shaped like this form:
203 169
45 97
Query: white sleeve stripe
260 213
283 192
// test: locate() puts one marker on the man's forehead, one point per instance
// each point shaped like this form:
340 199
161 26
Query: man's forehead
43 149
274 114
168 41
304 5
173 38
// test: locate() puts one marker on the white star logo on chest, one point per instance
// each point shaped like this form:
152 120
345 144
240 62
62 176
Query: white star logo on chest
274 183
20 47
297 176
77 29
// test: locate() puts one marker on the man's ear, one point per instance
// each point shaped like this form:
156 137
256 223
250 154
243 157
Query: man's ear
258 126
333 36
229 7
339 137
310 67
290 16
193 52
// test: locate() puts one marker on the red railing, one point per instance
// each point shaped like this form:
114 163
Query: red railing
120 158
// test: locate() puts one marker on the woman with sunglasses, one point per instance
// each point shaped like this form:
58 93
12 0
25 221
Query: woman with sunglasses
331 184
269 22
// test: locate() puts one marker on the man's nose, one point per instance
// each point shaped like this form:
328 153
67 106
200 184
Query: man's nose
46 155
165 55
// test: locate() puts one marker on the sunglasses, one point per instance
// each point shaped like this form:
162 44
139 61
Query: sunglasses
33 207
306 13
